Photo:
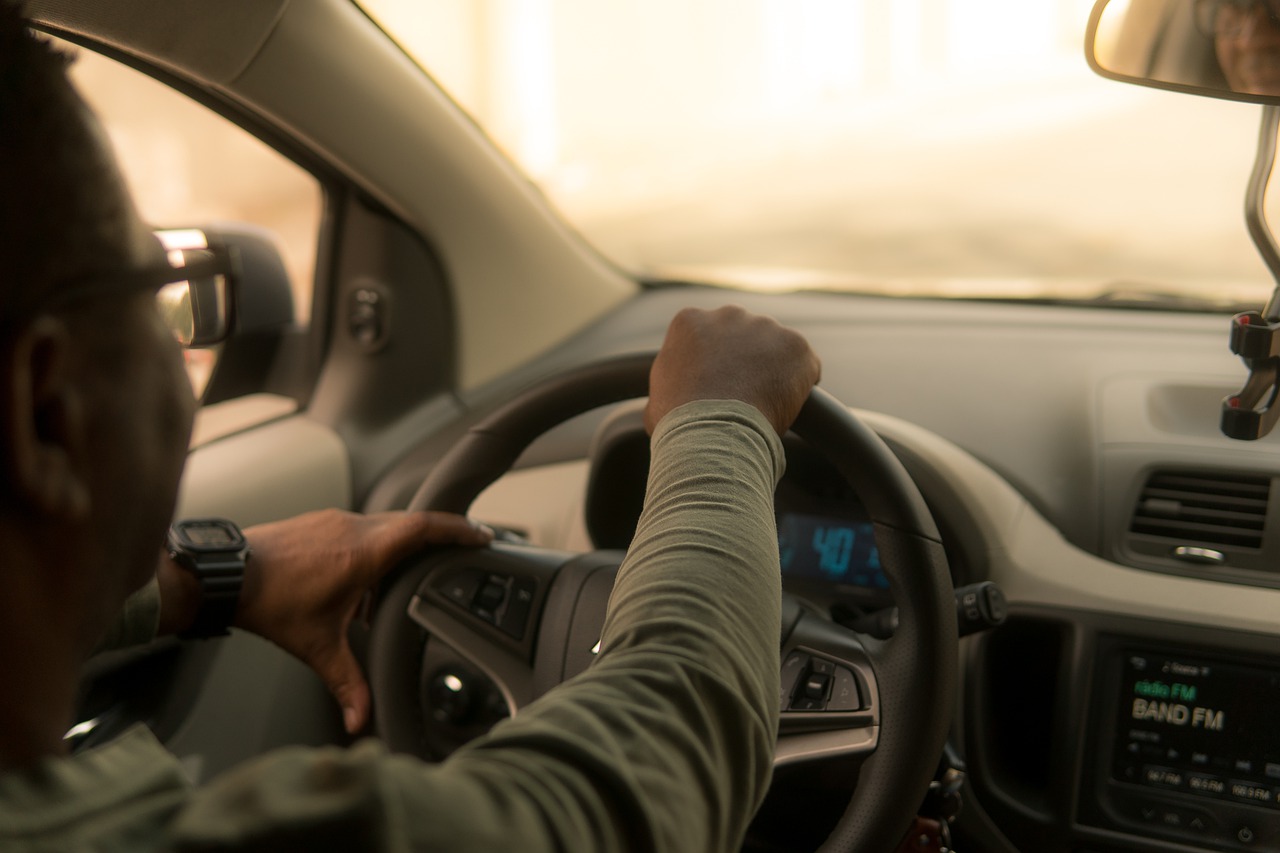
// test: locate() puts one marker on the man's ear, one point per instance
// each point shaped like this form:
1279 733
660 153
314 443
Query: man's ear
46 441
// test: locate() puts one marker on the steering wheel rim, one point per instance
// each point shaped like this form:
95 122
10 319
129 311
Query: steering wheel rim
915 670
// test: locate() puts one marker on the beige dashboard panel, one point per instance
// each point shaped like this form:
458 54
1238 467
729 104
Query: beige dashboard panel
272 471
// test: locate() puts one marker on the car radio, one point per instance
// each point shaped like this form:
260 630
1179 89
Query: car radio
1190 748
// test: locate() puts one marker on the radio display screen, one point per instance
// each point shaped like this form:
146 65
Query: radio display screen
833 549
1199 727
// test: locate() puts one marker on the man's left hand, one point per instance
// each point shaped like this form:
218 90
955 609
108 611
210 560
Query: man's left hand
308 575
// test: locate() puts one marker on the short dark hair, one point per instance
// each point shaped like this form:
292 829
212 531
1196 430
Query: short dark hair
63 207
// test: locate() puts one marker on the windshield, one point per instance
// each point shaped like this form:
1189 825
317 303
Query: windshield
955 148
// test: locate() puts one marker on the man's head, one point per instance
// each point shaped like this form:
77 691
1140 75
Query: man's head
1246 38
62 201
94 403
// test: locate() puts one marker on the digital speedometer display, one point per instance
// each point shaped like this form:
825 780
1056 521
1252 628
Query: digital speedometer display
832 549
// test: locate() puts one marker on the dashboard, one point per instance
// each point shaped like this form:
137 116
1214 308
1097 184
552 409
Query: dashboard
1035 486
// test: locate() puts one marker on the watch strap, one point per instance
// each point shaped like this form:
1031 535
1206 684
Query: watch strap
220 582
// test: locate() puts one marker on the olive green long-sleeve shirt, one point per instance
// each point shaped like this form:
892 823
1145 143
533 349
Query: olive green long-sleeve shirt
665 743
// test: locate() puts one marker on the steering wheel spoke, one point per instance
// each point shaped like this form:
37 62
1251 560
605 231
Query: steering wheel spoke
485 603
829 701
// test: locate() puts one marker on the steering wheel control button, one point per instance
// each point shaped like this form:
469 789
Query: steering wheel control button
844 692
822 667
816 686
490 598
499 599
811 686
461 586
515 619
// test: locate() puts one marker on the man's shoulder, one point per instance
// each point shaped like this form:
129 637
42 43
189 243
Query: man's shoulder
333 796
132 794
119 796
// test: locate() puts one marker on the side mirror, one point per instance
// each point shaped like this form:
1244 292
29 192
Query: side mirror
246 309
1220 48
198 310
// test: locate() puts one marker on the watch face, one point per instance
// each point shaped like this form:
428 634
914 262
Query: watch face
211 535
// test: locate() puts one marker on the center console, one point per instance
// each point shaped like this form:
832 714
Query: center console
1184 746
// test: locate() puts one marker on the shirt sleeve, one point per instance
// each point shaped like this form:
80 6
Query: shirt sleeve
138 620
665 743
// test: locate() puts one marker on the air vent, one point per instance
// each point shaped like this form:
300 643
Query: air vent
1212 509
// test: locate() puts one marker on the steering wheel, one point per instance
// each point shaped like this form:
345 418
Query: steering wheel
527 617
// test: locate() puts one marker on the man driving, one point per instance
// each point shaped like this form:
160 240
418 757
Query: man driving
665 743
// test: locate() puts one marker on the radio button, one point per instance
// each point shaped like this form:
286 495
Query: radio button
1203 784
1164 777
1250 793
1169 817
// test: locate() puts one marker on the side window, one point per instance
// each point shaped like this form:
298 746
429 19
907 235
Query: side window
186 165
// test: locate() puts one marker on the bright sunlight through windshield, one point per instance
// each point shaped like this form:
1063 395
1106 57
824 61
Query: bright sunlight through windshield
930 147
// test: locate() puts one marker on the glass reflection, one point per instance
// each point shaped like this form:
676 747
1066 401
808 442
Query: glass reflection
1246 37
1229 48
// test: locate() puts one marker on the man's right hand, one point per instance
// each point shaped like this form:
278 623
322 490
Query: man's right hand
730 354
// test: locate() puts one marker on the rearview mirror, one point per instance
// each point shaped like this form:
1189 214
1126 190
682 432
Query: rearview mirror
1219 48
1224 49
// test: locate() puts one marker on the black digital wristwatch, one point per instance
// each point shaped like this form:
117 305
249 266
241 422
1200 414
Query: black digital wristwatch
215 551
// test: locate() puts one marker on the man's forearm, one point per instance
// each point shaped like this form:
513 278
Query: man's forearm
669 736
